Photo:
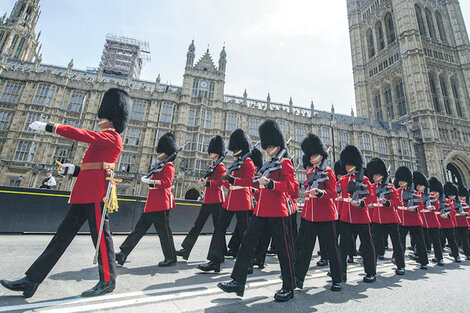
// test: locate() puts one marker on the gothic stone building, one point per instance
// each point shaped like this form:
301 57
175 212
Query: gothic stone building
194 112
411 64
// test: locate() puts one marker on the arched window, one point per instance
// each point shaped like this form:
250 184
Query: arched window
378 106
440 27
430 22
370 43
379 34
390 30
419 18
445 95
455 93
389 102
435 97
400 91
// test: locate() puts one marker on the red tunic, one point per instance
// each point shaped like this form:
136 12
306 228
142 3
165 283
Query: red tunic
213 194
105 146
239 196
322 209
384 214
294 195
350 213
448 221
160 197
460 221
408 218
430 219
273 202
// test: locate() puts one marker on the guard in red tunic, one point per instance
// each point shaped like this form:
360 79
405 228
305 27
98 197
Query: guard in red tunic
356 195
462 221
319 217
271 211
447 219
86 199
238 202
157 209
213 199
384 215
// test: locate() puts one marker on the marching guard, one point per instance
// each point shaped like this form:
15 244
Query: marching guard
461 221
446 218
87 196
159 202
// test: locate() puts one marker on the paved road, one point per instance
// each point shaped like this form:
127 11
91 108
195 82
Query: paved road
143 287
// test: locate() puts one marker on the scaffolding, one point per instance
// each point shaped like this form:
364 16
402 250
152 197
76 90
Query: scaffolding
123 56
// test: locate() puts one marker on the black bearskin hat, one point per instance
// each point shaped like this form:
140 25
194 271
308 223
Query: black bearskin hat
351 156
239 140
312 144
271 135
403 173
420 179
216 145
257 157
451 189
167 144
339 168
306 161
115 107
435 185
376 166
463 191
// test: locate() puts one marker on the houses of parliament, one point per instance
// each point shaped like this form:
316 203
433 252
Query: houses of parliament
411 67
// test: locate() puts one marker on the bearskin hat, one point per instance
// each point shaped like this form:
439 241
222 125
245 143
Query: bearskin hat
339 168
115 107
451 189
239 140
271 135
216 145
463 191
257 157
351 156
435 185
403 173
376 166
420 179
312 144
167 144
306 161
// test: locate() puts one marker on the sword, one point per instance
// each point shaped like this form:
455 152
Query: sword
111 179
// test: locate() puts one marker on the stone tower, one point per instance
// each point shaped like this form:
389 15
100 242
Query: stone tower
18 39
411 64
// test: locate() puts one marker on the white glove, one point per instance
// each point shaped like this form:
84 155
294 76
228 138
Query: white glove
38 125
67 168
145 180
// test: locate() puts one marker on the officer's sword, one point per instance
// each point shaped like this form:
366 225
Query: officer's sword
111 179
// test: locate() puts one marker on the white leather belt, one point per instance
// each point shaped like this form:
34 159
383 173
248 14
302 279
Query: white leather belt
237 187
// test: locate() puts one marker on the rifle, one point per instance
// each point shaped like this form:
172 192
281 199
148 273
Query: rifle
444 208
237 164
427 200
355 187
212 168
458 205
272 165
314 179
159 166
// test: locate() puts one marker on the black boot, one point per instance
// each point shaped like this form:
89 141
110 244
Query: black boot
322 262
440 262
350 259
184 253
400 271
231 253
335 287
284 295
24 284
299 283
369 278
457 259
260 264
232 286
121 257
166 263
100 288
210 266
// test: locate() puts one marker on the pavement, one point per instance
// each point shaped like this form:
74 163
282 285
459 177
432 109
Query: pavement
144 287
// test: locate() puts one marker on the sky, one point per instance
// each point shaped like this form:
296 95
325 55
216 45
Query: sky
296 48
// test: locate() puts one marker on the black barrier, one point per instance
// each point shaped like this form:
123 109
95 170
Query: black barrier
31 210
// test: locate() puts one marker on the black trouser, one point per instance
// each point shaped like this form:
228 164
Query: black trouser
381 231
207 209
234 243
346 241
427 240
160 221
262 246
217 246
326 233
462 239
416 232
76 216
435 239
449 234
281 234
294 233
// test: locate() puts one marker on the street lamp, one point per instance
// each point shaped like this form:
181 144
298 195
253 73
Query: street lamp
332 123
